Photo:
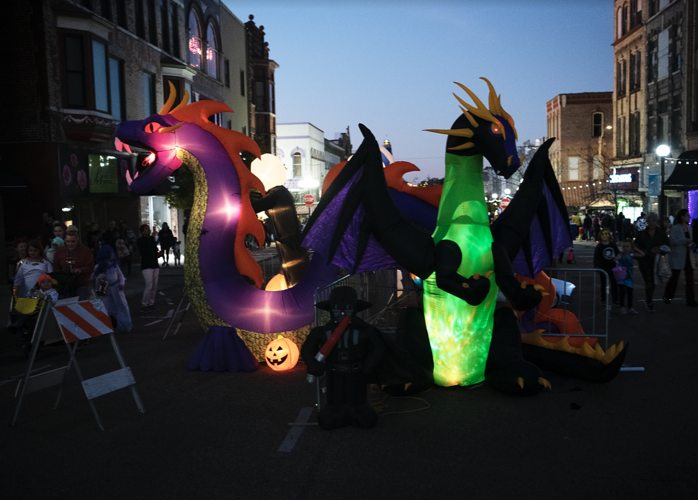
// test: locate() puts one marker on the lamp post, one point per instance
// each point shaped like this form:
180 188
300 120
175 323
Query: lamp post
662 151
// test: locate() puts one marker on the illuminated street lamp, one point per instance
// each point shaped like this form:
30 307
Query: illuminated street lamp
662 151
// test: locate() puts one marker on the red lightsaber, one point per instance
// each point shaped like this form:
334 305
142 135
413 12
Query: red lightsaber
326 349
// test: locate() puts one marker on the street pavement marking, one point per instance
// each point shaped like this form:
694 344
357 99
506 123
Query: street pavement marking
296 430
153 323
15 377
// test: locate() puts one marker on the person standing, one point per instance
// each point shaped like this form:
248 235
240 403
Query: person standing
681 258
587 227
77 260
108 270
649 241
150 268
109 236
605 258
30 268
166 240
626 259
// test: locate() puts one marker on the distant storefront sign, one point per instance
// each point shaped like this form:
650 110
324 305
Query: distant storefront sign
615 178
103 174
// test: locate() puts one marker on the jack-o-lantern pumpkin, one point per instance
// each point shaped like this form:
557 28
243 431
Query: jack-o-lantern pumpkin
281 354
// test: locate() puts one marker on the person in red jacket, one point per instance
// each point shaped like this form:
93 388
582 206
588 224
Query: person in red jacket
76 259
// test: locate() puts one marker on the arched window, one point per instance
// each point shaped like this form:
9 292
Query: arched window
194 40
211 52
619 23
297 166
597 124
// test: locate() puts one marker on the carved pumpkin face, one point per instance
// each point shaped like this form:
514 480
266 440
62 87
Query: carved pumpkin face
281 354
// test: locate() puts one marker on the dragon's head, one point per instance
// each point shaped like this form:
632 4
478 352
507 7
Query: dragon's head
165 133
487 132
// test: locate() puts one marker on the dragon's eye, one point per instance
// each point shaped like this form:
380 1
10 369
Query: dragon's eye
496 128
152 127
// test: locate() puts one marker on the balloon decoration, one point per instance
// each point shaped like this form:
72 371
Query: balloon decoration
465 261
218 266
281 354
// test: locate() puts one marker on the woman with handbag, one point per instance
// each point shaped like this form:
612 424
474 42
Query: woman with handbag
649 240
681 258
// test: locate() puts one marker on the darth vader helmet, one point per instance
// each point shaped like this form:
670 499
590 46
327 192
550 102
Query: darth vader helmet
343 302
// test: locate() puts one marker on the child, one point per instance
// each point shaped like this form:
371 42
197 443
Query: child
605 258
45 291
107 269
625 259
123 253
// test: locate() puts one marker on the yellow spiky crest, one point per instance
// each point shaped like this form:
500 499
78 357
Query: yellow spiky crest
479 110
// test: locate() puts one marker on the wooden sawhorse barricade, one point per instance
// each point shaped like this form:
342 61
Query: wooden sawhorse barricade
76 321
173 318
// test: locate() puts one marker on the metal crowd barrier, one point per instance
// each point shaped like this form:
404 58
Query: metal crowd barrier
577 292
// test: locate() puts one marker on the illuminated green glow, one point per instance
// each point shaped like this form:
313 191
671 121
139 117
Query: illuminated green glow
459 333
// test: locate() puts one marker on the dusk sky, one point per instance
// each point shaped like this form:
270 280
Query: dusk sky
391 64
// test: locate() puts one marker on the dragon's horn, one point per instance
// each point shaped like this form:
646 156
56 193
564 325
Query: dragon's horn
170 101
185 101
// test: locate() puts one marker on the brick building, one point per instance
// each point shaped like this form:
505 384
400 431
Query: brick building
262 92
89 64
583 147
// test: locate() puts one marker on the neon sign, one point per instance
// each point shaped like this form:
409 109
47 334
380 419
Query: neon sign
615 178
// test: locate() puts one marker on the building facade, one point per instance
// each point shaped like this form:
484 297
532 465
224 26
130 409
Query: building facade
629 107
582 151
91 65
262 88
301 147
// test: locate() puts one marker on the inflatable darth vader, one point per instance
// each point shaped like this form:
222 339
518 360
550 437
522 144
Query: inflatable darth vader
348 358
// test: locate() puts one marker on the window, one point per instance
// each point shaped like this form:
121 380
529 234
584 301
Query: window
625 19
175 31
75 72
598 167
121 14
242 84
297 166
635 70
194 40
621 67
675 49
597 124
619 22
152 23
652 61
272 104
573 172
634 132
663 55
211 52
635 13
259 96
165 20
226 71
140 23
148 94
115 91
99 66
106 9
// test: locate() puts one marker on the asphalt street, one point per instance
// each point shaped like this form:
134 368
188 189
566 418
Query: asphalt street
207 435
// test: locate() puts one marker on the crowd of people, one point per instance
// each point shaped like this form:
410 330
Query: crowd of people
662 250
57 263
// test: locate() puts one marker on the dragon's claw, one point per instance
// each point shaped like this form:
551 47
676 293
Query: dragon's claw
544 383
538 287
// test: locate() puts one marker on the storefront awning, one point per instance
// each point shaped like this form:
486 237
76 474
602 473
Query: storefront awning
685 174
